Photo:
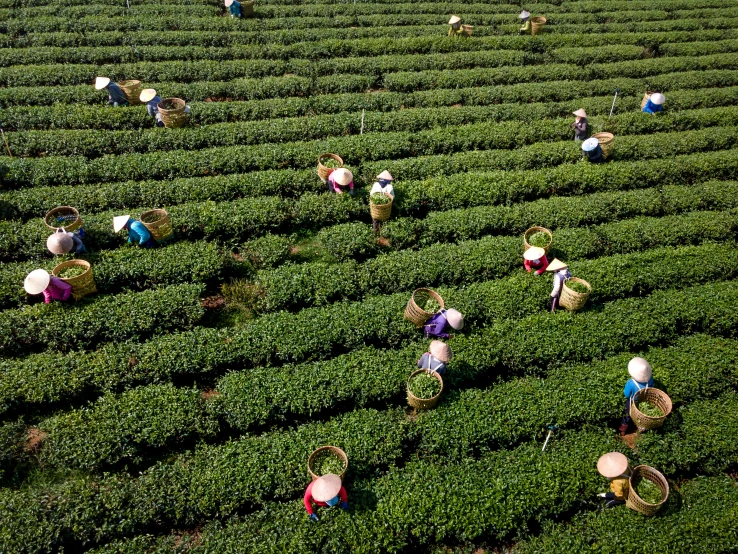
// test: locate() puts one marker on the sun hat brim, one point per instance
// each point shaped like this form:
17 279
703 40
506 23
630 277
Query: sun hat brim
119 222
147 95
37 281
440 351
612 464
590 144
454 19
524 14
580 113
556 265
101 82
658 98
386 175
640 370
455 319
342 176
326 487
534 253
228 3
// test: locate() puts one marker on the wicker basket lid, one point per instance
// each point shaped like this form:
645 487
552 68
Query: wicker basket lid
612 464
37 281
326 487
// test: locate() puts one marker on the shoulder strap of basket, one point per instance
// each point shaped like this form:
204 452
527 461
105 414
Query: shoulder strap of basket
429 361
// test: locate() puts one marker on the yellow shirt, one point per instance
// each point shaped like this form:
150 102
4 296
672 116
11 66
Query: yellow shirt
619 486
455 32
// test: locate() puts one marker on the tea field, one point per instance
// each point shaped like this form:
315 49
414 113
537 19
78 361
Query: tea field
174 411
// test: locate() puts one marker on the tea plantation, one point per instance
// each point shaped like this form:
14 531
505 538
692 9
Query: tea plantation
174 410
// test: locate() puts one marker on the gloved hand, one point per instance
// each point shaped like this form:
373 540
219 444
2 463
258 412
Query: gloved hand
314 518
344 506
602 495
115 104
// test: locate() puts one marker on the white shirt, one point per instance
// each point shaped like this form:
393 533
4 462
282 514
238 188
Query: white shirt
376 187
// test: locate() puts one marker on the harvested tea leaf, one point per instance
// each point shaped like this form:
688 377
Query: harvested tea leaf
327 462
330 163
72 271
540 239
648 409
648 491
577 287
378 198
424 386
431 305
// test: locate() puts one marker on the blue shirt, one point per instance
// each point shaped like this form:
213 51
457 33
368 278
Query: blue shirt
631 387
595 156
115 94
137 231
235 9
428 361
151 106
650 107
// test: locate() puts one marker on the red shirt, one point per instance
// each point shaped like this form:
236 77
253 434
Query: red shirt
308 499
539 265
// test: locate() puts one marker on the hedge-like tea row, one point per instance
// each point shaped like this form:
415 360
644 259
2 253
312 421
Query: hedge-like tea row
61 327
92 144
376 321
410 147
127 268
355 240
317 283
702 519
211 482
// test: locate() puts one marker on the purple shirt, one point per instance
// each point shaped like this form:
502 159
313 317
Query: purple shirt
57 290
436 326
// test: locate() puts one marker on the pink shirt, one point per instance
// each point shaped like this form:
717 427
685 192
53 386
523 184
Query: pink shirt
308 499
57 290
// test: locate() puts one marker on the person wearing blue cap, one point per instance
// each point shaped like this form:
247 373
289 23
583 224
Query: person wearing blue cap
592 150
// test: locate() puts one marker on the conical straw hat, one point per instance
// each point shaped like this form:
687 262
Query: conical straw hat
590 144
147 95
580 113
454 19
59 243
228 3
658 98
119 222
386 175
440 351
640 370
101 83
556 265
455 319
326 487
612 464
37 281
524 14
534 253
342 176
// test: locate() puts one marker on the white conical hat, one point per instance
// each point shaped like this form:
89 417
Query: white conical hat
342 176
590 144
119 222
524 14
640 370
658 98
580 113
385 175
59 243
147 95
534 253
612 464
440 350
326 487
455 319
454 19
556 265
228 3
101 83
37 281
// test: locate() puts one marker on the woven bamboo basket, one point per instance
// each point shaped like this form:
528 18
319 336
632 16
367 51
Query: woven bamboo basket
83 284
132 90
158 224
381 212
414 312
656 397
536 24
173 117
337 452
635 502
533 231
467 30
423 403
63 217
646 96
247 7
323 171
606 142
571 300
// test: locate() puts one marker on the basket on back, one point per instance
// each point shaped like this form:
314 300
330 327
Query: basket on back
247 7
467 30
132 90
606 142
646 97
572 300
420 297
532 231
380 212
655 397
635 502
82 284
536 24
423 403
158 224
323 171
172 111
327 451
63 217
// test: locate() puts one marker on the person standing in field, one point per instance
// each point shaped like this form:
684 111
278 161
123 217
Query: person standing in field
525 18
455 29
149 97
641 377
383 184
561 274
116 97
580 126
